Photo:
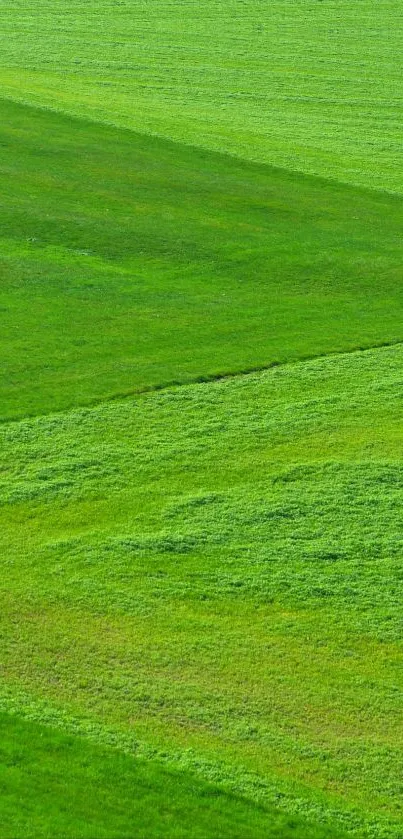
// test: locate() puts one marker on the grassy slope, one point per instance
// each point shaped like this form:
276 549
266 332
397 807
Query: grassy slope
261 645
52 785
305 84
215 571
128 263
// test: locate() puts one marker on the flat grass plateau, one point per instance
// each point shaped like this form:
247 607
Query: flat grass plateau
200 420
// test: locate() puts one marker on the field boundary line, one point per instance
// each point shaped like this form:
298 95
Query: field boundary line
206 149
208 378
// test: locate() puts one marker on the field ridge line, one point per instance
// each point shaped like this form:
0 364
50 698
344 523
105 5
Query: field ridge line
201 148
146 390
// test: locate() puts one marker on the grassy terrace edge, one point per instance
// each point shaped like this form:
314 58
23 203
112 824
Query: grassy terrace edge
311 86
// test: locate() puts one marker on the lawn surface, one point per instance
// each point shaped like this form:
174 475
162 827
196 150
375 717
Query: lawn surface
212 574
128 263
62 786
201 580
307 85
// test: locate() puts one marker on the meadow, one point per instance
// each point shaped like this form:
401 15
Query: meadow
200 419
312 86
212 575
129 263
52 785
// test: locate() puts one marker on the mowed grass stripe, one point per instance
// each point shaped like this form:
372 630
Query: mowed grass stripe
309 85
128 263
58 785
214 572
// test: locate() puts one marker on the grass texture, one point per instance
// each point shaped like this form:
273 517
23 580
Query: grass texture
208 577
127 263
63 786
307 85
211 576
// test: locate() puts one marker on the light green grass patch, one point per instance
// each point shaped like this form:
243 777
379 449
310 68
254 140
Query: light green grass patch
308 85
216 571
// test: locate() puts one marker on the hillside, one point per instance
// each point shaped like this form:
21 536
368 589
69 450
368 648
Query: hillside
308 85
214 571
129 263
201 419
55 783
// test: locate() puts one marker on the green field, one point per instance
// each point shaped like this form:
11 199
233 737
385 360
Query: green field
128 263
214 570
201 478
308 85
40 766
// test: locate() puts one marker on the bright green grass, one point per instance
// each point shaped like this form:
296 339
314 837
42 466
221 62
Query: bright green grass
53 785
128 262
211 575
304 84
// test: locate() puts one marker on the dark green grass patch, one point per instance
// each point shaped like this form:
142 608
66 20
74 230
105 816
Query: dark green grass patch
53 785
128 262
215 573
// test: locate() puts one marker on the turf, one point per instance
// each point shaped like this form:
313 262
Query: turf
214 572
57 785
206 578
128 263
306 84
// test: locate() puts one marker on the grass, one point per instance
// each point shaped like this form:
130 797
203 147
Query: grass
212 575
201 585
58 785
129 263
307 85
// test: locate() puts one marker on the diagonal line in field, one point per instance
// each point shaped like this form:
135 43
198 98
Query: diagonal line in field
198 380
